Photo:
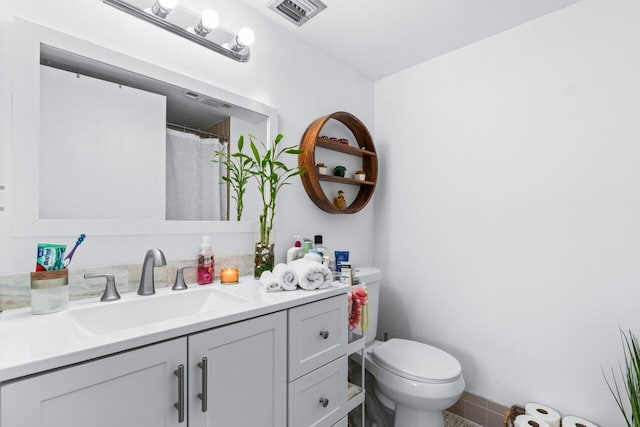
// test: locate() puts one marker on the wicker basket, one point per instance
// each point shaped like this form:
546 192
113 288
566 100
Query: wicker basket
512 413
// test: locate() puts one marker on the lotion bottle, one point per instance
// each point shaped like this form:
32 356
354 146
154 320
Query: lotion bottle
295 251
205 262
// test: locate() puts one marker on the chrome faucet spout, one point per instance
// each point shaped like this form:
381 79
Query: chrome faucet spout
153 258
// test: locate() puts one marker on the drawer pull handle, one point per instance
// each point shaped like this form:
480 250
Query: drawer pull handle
324 402
324 334
203 396
180 404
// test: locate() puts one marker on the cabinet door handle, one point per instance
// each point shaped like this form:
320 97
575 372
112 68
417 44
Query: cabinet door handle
324 402
179 405
324 334
203 396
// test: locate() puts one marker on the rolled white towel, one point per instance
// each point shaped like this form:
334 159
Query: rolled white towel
287 277
311 275
269 282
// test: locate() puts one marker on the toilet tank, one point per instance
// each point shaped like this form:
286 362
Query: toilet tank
369 277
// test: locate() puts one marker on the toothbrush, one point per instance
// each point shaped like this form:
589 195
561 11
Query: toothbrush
67 259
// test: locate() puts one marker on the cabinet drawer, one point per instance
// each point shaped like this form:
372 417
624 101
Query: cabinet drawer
319 398
317 334
342 423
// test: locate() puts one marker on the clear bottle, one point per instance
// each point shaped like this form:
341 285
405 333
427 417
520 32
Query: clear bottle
205 262
323 251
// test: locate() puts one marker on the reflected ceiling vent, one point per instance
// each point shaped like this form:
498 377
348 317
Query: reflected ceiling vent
212 102
297 11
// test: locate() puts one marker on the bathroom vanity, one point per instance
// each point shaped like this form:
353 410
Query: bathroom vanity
207 356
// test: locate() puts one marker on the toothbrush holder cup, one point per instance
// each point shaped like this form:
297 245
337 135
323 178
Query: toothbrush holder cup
49 291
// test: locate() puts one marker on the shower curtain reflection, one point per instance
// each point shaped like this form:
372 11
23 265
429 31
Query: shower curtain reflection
194 190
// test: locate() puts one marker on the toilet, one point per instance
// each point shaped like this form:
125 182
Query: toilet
415 381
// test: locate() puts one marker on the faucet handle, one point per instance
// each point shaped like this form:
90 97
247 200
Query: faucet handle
110 290
179 284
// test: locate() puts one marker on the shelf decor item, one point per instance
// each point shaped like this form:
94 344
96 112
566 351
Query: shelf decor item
359 146
266 165
340 201
339 170
322 168
360 175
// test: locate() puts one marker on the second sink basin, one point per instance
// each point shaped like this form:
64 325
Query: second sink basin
133 310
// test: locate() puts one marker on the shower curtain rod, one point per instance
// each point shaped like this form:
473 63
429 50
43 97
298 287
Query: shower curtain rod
199 131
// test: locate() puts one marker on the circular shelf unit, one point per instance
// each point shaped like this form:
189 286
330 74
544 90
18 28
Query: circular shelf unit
365 149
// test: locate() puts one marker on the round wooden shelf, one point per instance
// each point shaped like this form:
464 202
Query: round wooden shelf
365 149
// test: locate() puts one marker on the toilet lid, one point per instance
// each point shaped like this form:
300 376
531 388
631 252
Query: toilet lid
417 361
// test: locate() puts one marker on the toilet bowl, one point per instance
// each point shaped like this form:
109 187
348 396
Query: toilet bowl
414 380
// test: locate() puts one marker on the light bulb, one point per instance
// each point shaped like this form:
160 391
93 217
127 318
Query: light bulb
209 19
246 36
167 4
161 8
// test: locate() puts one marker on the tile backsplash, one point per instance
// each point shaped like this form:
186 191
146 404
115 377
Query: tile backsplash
15 288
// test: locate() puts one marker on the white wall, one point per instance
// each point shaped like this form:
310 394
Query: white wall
507 215
302 82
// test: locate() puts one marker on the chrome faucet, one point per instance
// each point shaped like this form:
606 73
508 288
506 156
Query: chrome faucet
153 258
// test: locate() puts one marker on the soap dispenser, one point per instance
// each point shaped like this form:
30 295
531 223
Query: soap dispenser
205 262
295 251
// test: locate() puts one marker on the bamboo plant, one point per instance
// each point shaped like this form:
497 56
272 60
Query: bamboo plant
239 173
271 174
627 397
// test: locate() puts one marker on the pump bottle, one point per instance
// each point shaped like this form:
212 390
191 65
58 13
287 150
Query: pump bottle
205 262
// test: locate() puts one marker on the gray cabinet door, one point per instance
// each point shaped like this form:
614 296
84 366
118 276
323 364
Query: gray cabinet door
246 382
137 388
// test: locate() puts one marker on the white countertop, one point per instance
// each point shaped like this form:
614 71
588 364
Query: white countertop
34 343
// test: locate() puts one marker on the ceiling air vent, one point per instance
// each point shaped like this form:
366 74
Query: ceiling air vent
297 11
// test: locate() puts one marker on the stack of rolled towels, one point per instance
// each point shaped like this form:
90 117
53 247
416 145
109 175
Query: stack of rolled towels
303 273
544 416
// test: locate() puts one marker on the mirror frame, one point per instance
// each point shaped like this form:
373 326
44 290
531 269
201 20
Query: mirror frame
25 138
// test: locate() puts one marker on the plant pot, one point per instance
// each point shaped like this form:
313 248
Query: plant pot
338 173
264 259
359 176
322 170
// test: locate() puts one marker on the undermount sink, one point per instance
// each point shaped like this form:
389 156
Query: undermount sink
137 310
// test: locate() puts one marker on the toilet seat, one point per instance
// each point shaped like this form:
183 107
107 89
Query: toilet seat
417 361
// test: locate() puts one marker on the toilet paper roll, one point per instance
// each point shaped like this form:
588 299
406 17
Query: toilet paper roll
571 421
529 421
544 413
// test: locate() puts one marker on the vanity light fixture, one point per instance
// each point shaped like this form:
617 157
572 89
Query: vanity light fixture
204 29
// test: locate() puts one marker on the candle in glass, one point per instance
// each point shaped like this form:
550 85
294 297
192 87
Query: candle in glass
229 275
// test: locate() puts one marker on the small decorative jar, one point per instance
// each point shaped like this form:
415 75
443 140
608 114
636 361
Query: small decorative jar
359 175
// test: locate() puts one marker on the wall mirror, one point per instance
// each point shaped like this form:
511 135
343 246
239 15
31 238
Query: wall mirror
106 144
